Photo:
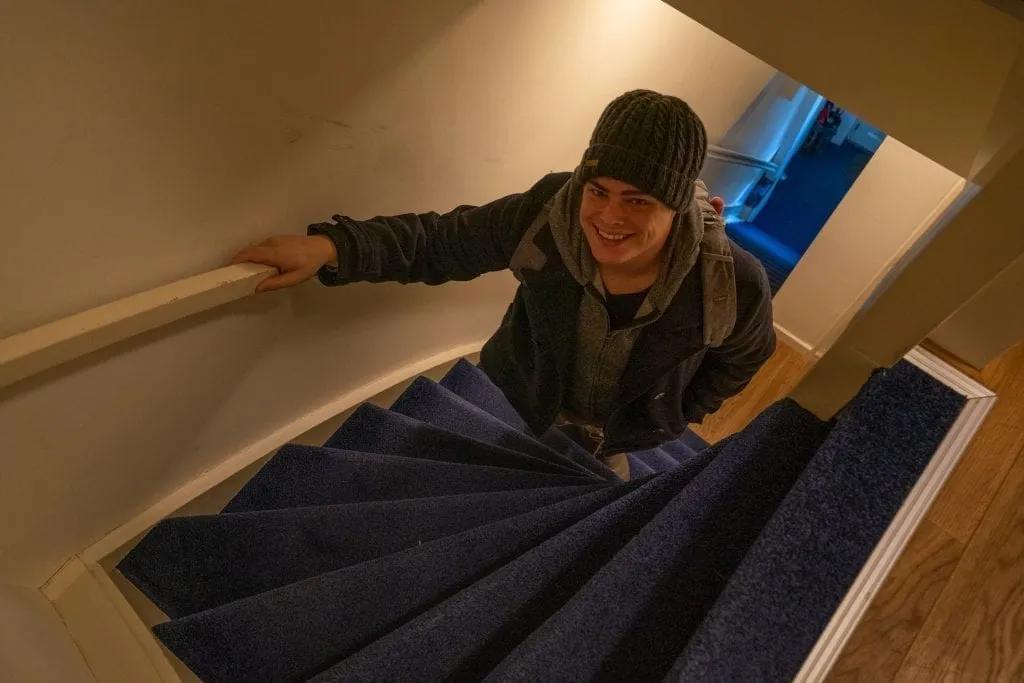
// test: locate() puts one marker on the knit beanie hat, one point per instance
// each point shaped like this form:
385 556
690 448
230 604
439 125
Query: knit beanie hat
652 141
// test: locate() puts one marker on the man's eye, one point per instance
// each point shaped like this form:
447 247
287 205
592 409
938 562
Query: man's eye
639 202
596 192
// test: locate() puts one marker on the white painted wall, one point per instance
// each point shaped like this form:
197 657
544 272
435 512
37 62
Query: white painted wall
806 109
866 136
1005 130
849 121
799 128
760 133
994 319
895 199
988 324
760 130
156 138
34 646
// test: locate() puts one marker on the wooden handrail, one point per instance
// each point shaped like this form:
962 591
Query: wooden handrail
730 156
33 351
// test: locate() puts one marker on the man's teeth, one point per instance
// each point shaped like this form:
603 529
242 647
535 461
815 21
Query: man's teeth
610 236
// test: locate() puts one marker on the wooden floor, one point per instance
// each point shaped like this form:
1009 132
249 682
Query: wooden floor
774 381
953 608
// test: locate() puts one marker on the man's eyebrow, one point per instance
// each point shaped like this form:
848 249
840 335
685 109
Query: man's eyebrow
625 193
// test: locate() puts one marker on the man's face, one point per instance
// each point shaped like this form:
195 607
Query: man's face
622 224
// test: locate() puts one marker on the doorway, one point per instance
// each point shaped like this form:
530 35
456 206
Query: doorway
822 150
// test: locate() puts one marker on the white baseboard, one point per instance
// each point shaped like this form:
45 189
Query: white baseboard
876 570
114 642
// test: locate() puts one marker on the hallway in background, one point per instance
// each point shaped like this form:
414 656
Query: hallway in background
813 185
784 167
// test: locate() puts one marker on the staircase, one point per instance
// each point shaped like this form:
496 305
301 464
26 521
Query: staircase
442 540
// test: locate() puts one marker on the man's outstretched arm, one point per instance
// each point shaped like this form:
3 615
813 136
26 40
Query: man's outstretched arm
431 248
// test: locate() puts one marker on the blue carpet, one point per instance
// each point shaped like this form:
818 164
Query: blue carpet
470 383
638 468
371 429
799 207
189 564
777 259
442 540
295 631
657 459
812 189
782 596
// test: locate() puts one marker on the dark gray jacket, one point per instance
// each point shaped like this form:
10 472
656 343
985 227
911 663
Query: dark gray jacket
672 378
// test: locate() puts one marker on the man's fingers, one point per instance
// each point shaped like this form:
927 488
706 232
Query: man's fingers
258 254
718 204
281 281
250 255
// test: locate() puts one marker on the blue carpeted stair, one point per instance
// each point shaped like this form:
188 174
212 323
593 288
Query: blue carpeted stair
443 540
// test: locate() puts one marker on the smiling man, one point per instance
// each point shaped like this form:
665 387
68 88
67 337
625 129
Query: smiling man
635 314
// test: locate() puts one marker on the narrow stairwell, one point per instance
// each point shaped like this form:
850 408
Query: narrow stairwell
441 540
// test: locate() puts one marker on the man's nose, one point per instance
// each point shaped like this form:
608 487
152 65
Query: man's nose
612 213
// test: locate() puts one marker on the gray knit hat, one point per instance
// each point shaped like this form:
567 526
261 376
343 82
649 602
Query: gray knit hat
652 141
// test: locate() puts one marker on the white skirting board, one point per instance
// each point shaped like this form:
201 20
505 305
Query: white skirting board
84 581
112 638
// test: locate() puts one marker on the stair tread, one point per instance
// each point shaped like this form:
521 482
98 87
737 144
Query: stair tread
558 441
458 639
371 429
670 573
657 459
433 404
189 564
693 440
825 529
324 618
679 450
300 476
472 384
638 468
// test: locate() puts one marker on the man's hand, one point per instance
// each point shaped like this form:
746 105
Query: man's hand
718 204
296 258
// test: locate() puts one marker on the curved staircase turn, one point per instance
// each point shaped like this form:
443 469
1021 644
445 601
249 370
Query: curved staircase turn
441 540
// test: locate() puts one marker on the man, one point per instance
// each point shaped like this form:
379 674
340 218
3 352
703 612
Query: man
635 315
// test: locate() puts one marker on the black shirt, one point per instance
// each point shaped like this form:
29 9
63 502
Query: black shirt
622 308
